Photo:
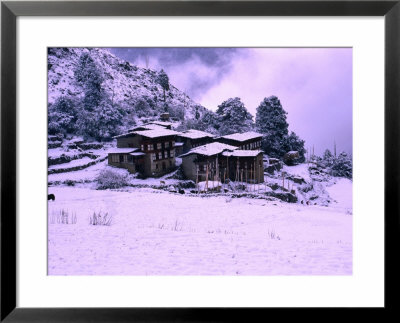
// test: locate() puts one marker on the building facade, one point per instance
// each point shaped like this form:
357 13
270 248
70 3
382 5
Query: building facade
193 138
220 162
153 151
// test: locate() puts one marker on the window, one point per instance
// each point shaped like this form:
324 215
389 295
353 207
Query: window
168 153
125 158
114 158
156 166
142 147
163 155
153 156
159 145
172 143
149 147
167 144
121 158
159 156
172 153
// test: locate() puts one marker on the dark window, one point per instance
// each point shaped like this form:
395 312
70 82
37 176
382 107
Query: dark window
164 167
121 158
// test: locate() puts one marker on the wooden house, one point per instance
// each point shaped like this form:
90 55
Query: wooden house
129 158
193 138
242 165
156 148
201 163
245 141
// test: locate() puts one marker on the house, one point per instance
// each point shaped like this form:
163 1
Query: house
219 162
129 158
153 153
201 163
152 126
245 141
243 165
164 116
191 139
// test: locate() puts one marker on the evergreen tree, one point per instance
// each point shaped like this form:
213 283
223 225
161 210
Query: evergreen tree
343 166
163 80
327 158
90 78
233 117
62 116
271 122
294 143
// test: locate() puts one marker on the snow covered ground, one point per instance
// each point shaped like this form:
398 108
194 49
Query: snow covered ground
155 232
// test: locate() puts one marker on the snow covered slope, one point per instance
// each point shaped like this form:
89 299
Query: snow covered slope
124 82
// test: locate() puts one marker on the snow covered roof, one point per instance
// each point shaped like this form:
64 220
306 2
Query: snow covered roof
210 149
125 134
137 154
160 123
195 134
242 153
147 127
155 133
243 136
122 150
178 144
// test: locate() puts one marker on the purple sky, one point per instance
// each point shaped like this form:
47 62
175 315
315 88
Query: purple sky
313 84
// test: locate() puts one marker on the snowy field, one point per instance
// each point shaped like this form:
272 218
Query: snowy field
155 232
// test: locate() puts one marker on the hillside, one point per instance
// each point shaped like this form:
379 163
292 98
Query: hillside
125 83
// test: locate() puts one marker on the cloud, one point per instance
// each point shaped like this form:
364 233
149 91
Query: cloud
193 70
313 84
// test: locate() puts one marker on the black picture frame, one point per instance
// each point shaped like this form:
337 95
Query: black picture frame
10 10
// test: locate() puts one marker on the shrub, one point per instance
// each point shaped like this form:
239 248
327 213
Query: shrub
109 179
98 219
63 217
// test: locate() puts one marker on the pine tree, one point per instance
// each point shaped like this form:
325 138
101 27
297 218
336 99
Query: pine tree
163 80
343 166
62 116
294 143
233 117
90 78
327 158
271 122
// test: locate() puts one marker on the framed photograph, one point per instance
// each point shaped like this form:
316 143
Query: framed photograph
198 158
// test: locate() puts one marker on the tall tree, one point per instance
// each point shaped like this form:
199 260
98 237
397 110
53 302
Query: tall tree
62 116
294 143
233 117
90 78
271 122
163 80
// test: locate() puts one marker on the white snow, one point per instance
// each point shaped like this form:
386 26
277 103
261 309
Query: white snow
210 149
122 150
242 153
155 133
195 134
208 185
243 136
159 233
72 163
342 193
298 170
